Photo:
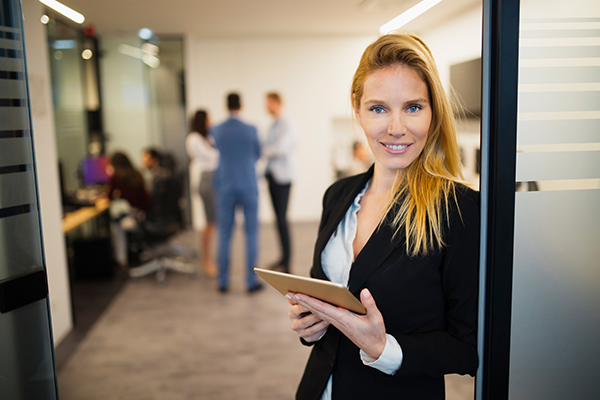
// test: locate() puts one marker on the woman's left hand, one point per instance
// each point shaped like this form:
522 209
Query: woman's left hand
365 331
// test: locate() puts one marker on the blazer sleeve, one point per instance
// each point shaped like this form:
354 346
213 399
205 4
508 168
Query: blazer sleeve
454 349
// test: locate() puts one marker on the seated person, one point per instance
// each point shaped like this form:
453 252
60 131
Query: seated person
129 201
126 182
151 166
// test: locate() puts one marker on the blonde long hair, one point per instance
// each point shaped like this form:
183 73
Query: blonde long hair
422 192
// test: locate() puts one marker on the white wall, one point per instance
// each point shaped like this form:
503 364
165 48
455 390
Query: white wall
47 169
456 41
313 74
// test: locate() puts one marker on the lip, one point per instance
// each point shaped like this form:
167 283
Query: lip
396 152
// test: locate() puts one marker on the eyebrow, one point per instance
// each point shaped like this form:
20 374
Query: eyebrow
418 101
406 102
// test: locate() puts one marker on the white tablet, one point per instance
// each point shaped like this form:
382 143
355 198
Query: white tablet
330 292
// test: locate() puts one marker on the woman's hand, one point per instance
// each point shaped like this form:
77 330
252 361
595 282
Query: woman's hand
308 326
365 331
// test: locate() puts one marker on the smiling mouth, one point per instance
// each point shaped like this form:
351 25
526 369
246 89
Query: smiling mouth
396 146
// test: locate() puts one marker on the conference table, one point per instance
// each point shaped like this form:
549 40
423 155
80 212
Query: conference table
75 219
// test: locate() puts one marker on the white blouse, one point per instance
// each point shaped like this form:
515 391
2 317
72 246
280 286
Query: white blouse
337 259
203 155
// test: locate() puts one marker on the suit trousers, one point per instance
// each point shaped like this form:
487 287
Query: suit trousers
227 203
280 195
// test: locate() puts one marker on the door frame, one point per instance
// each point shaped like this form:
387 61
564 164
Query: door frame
500 59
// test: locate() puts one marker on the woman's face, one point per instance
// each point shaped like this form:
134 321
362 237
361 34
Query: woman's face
395 113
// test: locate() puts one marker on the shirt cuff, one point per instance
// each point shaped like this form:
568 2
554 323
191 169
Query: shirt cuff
389 361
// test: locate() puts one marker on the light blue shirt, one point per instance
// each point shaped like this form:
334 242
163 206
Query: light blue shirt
337 259
280 149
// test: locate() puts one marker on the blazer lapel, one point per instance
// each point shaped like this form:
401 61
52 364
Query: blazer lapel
377 249
338 211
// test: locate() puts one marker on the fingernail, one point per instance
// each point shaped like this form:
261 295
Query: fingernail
287 296
295 297
366 293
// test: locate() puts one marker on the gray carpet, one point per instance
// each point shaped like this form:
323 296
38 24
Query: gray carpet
184 340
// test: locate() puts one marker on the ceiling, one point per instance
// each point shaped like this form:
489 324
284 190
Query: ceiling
240 18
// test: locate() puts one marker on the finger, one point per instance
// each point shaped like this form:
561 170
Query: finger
315 328
288 296
369 302
315 332
317 306
305 322
336 316
296 311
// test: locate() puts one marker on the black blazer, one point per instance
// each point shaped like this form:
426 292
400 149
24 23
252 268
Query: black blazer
429 304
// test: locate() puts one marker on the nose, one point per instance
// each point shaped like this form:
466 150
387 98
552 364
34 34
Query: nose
397 125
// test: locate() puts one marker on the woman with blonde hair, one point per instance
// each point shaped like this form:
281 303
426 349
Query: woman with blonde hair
403 237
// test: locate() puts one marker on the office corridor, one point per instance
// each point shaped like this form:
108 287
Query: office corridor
186 341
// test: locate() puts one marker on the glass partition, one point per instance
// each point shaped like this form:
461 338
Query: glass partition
26 353
556 276
65 47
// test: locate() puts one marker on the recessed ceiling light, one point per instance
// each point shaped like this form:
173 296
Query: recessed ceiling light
145 33
45 19
407 16
86 54
64 10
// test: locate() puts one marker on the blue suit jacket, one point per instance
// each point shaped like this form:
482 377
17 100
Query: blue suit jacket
239 150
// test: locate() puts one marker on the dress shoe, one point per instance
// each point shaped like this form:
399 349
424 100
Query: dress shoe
223 289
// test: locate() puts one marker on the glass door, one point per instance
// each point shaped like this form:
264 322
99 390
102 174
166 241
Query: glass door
27 368
554 352
65 48
540 282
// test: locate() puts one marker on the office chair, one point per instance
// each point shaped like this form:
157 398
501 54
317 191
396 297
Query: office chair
162 221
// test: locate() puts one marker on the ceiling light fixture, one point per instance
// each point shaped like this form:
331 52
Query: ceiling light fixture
407 16
45 19
145 34
64 10
87 54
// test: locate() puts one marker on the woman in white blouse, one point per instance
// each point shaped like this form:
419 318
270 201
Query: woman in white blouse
204 161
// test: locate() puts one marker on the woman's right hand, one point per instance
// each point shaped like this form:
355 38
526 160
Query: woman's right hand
308 326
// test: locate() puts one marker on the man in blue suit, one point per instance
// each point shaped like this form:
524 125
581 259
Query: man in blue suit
236 185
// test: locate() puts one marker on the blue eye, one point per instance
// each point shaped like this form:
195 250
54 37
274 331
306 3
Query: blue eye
377 109
414 108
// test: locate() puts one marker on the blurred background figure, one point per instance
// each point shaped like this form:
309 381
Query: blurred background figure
126 182
361 160
151 167
236 185
204 159
129 198
279 150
